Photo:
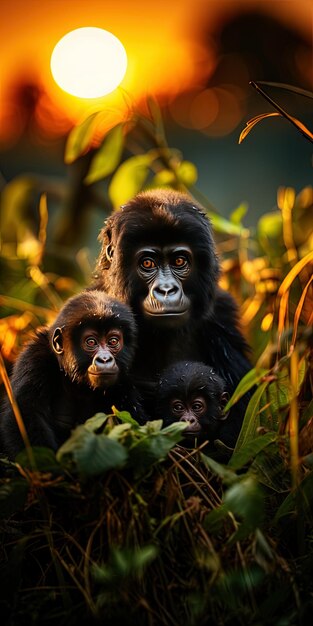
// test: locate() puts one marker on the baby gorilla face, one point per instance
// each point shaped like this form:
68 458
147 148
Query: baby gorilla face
102 350
94 340
192 411
192 392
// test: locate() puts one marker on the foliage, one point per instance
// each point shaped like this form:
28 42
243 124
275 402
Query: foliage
280 111
123 525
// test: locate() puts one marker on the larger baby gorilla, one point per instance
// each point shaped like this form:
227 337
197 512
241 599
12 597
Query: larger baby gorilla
72 370
158 256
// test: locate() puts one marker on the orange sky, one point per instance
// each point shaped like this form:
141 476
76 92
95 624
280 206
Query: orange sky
160 56
159 37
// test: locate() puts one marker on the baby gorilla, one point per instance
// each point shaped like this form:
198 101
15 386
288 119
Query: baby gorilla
192 392
71 371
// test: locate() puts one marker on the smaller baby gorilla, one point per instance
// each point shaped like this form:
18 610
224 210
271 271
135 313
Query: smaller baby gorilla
192 392
72 370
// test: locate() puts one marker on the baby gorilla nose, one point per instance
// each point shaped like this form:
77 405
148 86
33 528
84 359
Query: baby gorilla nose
102 358
192 421
103 371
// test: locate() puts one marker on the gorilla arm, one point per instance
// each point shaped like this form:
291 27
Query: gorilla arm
34 377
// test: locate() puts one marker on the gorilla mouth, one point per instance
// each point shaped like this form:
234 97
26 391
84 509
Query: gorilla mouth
166 306
153 307
102 374
192 433
167 318
102 379
166 312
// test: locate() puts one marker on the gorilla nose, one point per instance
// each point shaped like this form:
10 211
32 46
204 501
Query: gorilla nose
102 359
193 423
165 291
189 418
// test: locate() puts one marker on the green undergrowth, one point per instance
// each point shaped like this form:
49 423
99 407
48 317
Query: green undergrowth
126 526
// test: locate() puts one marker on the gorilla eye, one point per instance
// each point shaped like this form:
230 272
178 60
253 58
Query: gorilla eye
90 342
147 264
177 406
180 261
198 406
114 342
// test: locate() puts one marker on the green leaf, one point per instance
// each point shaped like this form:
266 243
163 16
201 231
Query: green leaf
107 156
225 474
270 225
45 459
91 454
222 225
238 214
151 427
173 432
250 379
235 586
124 416
214 520
124 563
163 178
278 396
245 500
270 468
251 420
187 173
219 223
118 431
13 496
155 445
130 177
96 422
79 139
250 450
299 500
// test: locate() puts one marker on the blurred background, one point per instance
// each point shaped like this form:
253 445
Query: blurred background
196 58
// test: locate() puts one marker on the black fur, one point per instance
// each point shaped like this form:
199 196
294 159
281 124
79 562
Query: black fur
53 391
210 333
186 381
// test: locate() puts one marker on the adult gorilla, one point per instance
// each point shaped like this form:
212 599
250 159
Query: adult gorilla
158 256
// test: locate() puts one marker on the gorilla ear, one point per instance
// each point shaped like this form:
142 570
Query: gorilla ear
107 238
224 399
109 252
57 341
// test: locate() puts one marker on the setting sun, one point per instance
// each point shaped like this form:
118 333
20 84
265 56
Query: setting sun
89 62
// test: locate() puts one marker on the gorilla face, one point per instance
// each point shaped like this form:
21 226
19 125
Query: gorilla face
158 256
163 271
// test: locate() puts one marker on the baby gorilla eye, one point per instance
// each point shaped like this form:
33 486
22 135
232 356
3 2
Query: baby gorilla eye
177 406
198 406
147 263
113 342
90 342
